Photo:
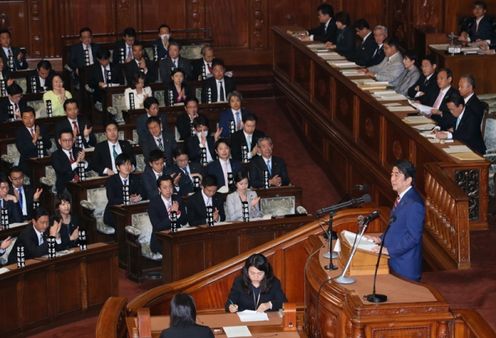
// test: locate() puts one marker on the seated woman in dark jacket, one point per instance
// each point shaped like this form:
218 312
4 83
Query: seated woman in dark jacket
69 223
256 289
345 41
177 91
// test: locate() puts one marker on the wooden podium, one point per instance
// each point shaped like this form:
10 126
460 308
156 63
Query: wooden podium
364 261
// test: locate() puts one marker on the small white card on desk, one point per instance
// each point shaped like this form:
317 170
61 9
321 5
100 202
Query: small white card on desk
3 270
15 225
425 127
252 316
237 331
457 149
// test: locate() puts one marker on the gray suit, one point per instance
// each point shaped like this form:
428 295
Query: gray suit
406 80
234 208
389 69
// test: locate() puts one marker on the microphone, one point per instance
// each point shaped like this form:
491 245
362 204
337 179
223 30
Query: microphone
374 297
353 202
369 218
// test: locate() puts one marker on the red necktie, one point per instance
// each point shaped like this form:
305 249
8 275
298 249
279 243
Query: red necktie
75 128
71 157
396 202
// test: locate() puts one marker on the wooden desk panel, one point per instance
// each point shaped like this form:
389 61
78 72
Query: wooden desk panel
9 129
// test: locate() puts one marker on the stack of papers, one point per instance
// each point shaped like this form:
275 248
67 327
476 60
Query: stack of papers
343 64
252 316
370 84
314 46
332 57
396 97
428 134
420 107
352 73
407 109
416 120
425 127
237 331
457 149
3 270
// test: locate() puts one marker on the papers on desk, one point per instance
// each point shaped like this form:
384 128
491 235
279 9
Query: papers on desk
440 46
424 127
365 243
343 64
252 316
490 96
352 73
470 50
370 84
184 228
332 57
396 97
462 153
420 107
237 331
417 120
407 109
15 225
429 134
457 149
315 45
3 270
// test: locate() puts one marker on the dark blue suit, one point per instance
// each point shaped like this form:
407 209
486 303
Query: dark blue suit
225 119
215 169
404 237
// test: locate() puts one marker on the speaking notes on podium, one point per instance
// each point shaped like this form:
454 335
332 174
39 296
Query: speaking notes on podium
252 316
237 331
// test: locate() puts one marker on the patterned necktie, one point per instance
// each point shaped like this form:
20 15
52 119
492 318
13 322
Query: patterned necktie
238 120
21 198
40 239
269 167
160 144
114 152
75 128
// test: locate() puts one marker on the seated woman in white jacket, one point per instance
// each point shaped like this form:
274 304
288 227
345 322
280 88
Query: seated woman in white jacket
139 90
234 201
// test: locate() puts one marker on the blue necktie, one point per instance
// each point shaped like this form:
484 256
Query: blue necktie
269 166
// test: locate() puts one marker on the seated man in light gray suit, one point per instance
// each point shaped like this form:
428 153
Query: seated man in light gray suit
391 66
234 201
409 76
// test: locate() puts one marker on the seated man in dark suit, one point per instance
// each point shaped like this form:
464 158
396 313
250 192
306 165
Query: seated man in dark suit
246 139
28 138
161 45
123 188
202 68
231 119
83 132
13 58
103 161
158 138
83 54
367 47
140 64
466 87
467 125
161 207
480 27
28 198
223 166
153 171
172 61
123 50
184 122
151 109
202 140
266 164
103 74
184 172
440 112
12 105
216 88
66 159
9 202
380 35
34 237
426 85
40 79
326 31
207 197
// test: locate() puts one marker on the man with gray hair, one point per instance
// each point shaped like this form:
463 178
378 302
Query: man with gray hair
380 34
466 87
267 170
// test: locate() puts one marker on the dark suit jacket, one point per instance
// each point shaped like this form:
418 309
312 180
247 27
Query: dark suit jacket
113 187
161 51
243 298
131 69
476 106
149 181
18 64
485 31
185 182
171 88
4 108
166 66
195 330
365 51
345 42
183 124
215 169
28 195
225 119
169 141
102 158
194 151
403 239
197 69
66 231
469 132
378 56
63 169
64 124
211 83
26 147
77 60
429 88
238 140
159 217
34 74
96 75
142 129
447 120
15 215
197 211
322 34
119 48
258 166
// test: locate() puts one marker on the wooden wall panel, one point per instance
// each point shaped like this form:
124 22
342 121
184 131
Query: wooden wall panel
14 16
228 21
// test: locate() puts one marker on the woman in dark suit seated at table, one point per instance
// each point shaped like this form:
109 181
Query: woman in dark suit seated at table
69 223
183 319
234 201
256 289
178 90
345 41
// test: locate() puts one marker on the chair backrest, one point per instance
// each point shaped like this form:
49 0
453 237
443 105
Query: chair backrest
140 163
160 96
13 153
118 101
489 127
142 222
98 197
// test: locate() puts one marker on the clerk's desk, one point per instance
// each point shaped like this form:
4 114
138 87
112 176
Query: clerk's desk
48 292
355 136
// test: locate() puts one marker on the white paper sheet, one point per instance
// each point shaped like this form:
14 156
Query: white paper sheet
237 331
457 149
420 107
416 120
252 316
425 127
3 270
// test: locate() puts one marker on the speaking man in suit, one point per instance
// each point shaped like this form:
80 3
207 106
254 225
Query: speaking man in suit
78 124
40 79
13 58
207 197
158 138
267 163
326 31
403 238
367 47
103 161
27 197
246 137
160 208
216 88
172 61
426 85
466 87
9 202
83 54
480 27
184 172
467 125
391 66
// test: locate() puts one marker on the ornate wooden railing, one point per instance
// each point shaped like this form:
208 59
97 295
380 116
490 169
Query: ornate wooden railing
447 230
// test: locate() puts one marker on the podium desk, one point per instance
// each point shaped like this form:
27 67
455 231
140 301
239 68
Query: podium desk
191 250
50 292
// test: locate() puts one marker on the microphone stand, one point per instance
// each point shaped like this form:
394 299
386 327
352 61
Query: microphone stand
375 297
331 254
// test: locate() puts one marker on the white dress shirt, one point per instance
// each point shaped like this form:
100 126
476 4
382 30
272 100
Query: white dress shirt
218 82
209 156
90 54
207 200
118 150
226 168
